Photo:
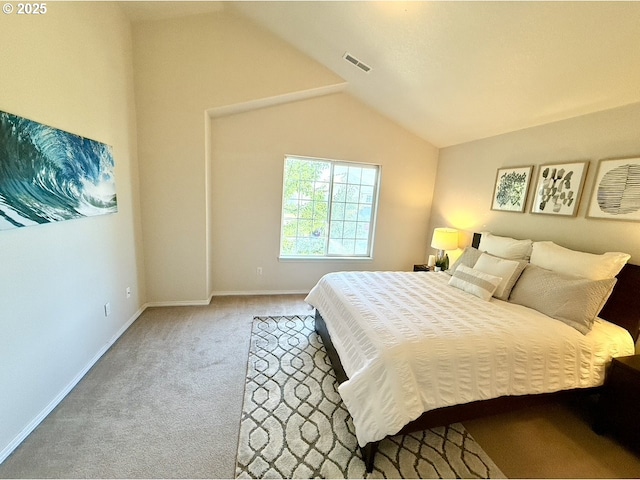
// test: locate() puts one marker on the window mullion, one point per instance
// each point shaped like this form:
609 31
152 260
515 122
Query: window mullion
326 244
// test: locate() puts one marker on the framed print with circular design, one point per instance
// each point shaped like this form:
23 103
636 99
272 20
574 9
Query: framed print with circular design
616 190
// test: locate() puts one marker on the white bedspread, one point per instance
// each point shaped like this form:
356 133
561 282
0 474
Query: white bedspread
410 343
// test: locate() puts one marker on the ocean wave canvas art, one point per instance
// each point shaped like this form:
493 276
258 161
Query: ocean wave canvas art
49 175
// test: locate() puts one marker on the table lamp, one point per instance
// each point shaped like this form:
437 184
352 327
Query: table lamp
444 239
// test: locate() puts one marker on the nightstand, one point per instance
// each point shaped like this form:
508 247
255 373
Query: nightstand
422 268
619 407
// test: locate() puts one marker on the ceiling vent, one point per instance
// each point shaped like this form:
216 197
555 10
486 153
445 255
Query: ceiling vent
353 60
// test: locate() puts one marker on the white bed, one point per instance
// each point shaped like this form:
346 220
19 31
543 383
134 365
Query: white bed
410 343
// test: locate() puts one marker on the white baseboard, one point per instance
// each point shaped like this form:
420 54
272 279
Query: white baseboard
258 292
223 293
179 303
65 391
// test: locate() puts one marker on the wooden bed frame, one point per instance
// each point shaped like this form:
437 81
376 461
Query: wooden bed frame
622 308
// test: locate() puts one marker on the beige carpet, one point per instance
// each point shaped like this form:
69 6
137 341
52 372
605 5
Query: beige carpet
114 423
145 410
163 402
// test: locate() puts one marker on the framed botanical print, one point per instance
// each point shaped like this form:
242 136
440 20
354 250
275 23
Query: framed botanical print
558 188
616 190
511 188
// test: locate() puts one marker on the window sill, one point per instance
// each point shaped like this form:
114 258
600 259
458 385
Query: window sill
325 259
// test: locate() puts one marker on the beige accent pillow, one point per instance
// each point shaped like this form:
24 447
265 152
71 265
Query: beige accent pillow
468 258
573 300
505 247
475 282
572 262
508 270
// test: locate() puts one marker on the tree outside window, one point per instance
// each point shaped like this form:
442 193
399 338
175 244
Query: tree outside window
328 208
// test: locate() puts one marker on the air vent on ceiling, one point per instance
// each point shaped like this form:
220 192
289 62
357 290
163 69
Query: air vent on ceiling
353 60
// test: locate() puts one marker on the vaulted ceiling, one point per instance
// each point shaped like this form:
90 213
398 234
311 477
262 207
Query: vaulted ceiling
453 71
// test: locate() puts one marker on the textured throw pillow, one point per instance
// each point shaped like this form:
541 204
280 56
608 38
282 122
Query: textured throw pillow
477 283
573 300
468 258
508 270
505 247
560 259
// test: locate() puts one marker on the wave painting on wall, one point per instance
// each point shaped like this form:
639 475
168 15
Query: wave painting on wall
48 175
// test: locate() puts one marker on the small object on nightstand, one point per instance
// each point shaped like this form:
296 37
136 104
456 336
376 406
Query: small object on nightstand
422 268
618 411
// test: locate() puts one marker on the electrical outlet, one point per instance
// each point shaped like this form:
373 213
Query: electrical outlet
107 309
259 271
128 292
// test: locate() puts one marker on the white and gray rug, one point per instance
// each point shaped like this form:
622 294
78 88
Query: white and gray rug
294 424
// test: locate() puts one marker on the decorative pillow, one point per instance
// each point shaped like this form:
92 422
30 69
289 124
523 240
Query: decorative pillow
588 265
505 247
468 258
508 270
573 300
475 282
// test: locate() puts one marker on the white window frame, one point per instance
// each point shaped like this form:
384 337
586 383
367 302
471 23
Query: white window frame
372 224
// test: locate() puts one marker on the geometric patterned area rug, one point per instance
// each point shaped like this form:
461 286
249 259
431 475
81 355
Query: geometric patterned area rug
295 425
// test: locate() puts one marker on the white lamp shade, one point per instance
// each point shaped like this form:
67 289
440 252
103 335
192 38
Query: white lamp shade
445 239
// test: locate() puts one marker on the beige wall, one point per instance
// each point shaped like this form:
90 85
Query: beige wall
248 152
466 176
71 69
183 68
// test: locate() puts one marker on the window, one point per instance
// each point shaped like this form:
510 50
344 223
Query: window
328 208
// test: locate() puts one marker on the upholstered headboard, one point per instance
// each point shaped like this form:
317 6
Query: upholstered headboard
623 306
475 243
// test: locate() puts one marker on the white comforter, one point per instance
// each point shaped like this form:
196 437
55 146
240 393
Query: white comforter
410 343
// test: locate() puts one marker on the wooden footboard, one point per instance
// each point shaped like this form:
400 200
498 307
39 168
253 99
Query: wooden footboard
321 328
368 452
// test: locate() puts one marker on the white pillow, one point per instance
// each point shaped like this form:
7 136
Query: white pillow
508 270
475 282
505 247
587 265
